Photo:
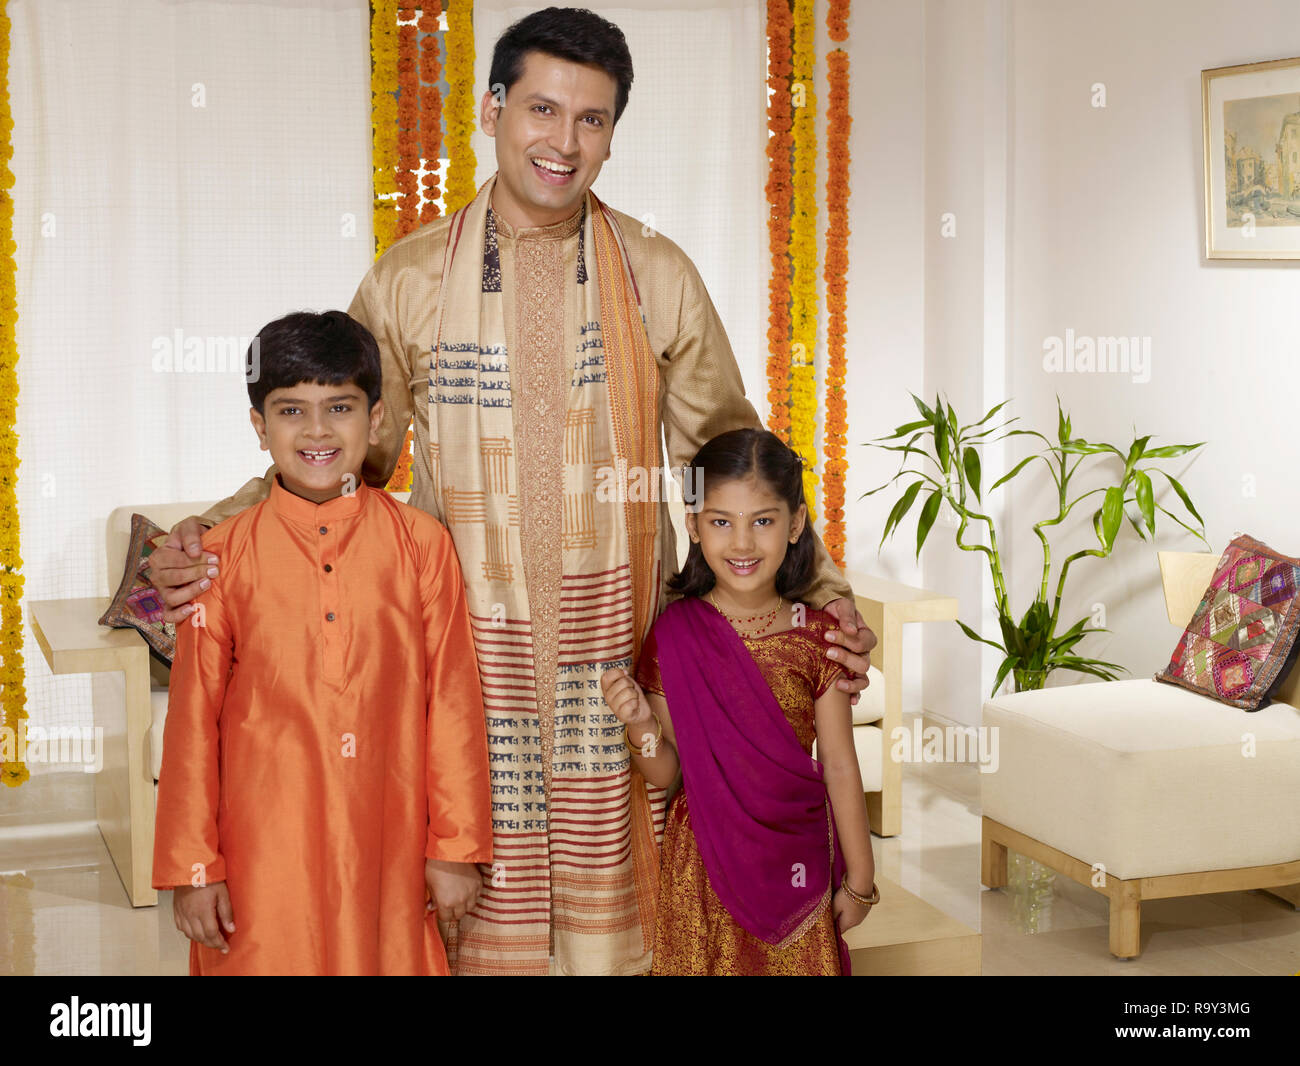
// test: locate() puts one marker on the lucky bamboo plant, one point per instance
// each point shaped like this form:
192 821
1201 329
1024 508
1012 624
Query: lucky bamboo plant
941 457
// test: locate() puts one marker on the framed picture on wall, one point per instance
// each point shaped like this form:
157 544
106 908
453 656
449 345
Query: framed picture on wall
1251 115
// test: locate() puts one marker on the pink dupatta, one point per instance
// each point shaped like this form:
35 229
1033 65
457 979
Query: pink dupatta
759 808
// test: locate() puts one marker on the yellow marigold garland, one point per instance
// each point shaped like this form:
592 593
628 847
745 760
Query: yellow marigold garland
803 256
835 273
383 104
13 692
779 26
460 104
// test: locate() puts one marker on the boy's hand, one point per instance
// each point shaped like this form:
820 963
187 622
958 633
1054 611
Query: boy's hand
181 569
624 697
201 914
453 887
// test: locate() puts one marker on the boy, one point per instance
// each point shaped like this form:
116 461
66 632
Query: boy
325 764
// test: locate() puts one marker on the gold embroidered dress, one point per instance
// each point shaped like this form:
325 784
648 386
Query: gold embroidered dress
695 935
497 341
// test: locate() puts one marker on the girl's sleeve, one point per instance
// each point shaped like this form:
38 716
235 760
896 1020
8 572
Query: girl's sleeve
186 850
647 667
459 793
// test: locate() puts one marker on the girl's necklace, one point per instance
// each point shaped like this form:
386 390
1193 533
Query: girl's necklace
770 616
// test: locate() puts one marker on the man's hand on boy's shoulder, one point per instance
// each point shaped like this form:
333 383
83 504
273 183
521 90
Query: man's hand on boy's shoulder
181 569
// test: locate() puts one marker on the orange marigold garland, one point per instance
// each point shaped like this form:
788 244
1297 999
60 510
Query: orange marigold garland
803 254
430 108
408 124
13 691
835 273
780 27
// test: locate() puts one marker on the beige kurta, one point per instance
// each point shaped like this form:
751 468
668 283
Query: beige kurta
595 924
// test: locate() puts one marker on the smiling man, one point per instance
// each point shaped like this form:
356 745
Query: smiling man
541 341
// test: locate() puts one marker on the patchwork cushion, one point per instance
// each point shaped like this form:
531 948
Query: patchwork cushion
1239 643
137 605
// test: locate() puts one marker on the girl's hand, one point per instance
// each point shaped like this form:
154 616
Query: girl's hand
847 912
624 697
453 887
198 911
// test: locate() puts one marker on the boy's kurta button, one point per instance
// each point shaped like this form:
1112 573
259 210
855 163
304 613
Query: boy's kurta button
324 529
329 617
328 568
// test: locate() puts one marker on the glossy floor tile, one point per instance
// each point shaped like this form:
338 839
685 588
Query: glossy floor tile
63 909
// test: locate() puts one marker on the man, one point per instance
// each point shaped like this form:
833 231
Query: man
514 332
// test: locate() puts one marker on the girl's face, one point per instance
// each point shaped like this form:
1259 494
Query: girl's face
744 530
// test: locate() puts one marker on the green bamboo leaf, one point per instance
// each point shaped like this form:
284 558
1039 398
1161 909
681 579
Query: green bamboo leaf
928 514
1014 471
920 406
1112 513
1003 670
1182 495
1146 500
906 428
901 508
992 412
1135 453
975 636
953 424
971 461
941 442
1080 446
1172 451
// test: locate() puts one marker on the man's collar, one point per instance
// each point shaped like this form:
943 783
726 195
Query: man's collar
555 231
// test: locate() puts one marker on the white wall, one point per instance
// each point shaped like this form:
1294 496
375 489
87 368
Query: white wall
1107 239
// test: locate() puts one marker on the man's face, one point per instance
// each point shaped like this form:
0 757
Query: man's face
552 136
318 436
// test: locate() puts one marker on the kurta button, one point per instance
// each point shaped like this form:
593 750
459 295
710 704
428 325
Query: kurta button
323 529
328 568
329 617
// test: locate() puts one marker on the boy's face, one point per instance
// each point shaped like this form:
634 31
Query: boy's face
318 436
552 137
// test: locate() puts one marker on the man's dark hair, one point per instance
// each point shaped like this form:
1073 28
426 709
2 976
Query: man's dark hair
735 456
329 348
571 33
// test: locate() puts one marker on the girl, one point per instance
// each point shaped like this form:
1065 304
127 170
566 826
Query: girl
734 686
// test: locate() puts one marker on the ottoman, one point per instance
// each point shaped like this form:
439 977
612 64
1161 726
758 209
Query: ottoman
1143 790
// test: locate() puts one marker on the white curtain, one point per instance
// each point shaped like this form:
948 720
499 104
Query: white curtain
193 170
183 170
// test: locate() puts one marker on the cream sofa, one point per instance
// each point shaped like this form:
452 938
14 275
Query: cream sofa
1144 790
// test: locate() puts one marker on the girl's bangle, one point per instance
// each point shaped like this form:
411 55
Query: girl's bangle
861 901
659 732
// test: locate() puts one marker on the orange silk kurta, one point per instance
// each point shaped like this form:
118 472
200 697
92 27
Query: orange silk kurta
325 734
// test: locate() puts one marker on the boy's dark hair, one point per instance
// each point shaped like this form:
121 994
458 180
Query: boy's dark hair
571 33
329 348
740 454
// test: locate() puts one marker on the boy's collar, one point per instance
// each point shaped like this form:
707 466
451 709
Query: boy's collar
305 512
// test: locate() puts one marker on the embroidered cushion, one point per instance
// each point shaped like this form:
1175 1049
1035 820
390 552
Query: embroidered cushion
137 604
1238 646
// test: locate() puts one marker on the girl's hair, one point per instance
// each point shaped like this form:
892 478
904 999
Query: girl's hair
734 456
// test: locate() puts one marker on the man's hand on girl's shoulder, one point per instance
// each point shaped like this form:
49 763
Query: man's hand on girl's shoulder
853 641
